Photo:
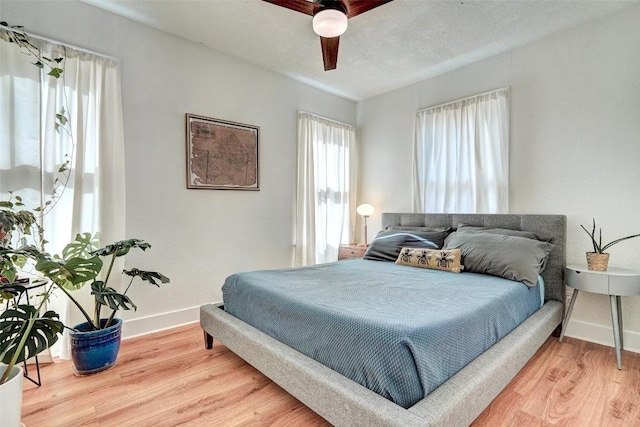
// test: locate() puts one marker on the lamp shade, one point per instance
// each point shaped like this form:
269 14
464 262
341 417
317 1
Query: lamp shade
365 210
329 23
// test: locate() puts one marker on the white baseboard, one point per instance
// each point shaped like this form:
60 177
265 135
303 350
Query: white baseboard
145 325
600 334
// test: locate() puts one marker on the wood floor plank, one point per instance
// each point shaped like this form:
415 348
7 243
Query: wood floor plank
169 379
578 385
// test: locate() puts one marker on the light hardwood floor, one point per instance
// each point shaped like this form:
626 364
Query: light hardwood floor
170 379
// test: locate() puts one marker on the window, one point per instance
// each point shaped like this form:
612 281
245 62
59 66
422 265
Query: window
326 188
461 156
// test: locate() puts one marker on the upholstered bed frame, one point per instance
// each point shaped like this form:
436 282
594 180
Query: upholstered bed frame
459 400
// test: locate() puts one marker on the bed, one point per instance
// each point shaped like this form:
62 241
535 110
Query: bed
457 401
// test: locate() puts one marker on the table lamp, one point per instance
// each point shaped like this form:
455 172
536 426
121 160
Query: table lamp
365 211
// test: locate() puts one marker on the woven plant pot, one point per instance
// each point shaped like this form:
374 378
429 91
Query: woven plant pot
597 262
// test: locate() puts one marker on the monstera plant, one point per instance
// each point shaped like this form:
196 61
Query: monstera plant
81 263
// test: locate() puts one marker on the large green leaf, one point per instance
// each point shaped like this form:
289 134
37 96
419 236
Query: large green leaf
148 276
122 247
13 324
110 297
71 274
81 246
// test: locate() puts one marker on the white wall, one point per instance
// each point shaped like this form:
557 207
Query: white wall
575 144
198 237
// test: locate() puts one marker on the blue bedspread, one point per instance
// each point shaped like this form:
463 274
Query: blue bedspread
398 330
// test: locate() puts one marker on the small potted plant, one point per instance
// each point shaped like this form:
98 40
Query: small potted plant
598 260
95 343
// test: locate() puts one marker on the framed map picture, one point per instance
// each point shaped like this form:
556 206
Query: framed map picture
221 155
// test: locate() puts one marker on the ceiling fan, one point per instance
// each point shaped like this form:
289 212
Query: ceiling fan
330 20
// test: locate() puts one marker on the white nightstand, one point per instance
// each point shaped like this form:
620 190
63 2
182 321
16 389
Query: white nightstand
615 282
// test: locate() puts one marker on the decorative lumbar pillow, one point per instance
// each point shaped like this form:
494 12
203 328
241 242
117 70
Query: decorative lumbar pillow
387 244
447 260
511 257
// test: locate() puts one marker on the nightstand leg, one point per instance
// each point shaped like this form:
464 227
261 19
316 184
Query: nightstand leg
619 304
616 329
574 295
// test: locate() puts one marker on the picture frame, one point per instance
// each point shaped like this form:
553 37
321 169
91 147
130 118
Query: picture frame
221 155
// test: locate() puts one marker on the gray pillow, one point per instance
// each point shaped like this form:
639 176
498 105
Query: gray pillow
388 244
506 231
416 228
511 257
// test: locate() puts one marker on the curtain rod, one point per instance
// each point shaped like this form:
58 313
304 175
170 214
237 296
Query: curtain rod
47 39
326 118
463 99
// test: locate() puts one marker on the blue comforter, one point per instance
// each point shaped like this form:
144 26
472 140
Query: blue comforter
400 331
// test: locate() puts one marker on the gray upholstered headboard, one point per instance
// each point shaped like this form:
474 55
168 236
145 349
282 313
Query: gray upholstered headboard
553 225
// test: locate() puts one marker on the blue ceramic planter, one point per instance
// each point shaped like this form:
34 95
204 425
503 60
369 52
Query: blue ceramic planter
95 351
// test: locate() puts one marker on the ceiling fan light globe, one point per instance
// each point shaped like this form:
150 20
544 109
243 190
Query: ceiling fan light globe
329 23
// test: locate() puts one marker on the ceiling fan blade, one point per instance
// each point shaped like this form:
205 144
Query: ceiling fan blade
309 7
303 6
330 52
356 7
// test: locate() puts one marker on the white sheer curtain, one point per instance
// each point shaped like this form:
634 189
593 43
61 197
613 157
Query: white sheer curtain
326 188
31 151
461 156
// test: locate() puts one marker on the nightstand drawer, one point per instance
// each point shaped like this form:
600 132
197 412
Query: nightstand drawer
596 283
351 251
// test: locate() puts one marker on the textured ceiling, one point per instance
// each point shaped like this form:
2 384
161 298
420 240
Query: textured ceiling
394 45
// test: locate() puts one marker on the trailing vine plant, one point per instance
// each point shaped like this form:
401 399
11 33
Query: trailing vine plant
53 67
